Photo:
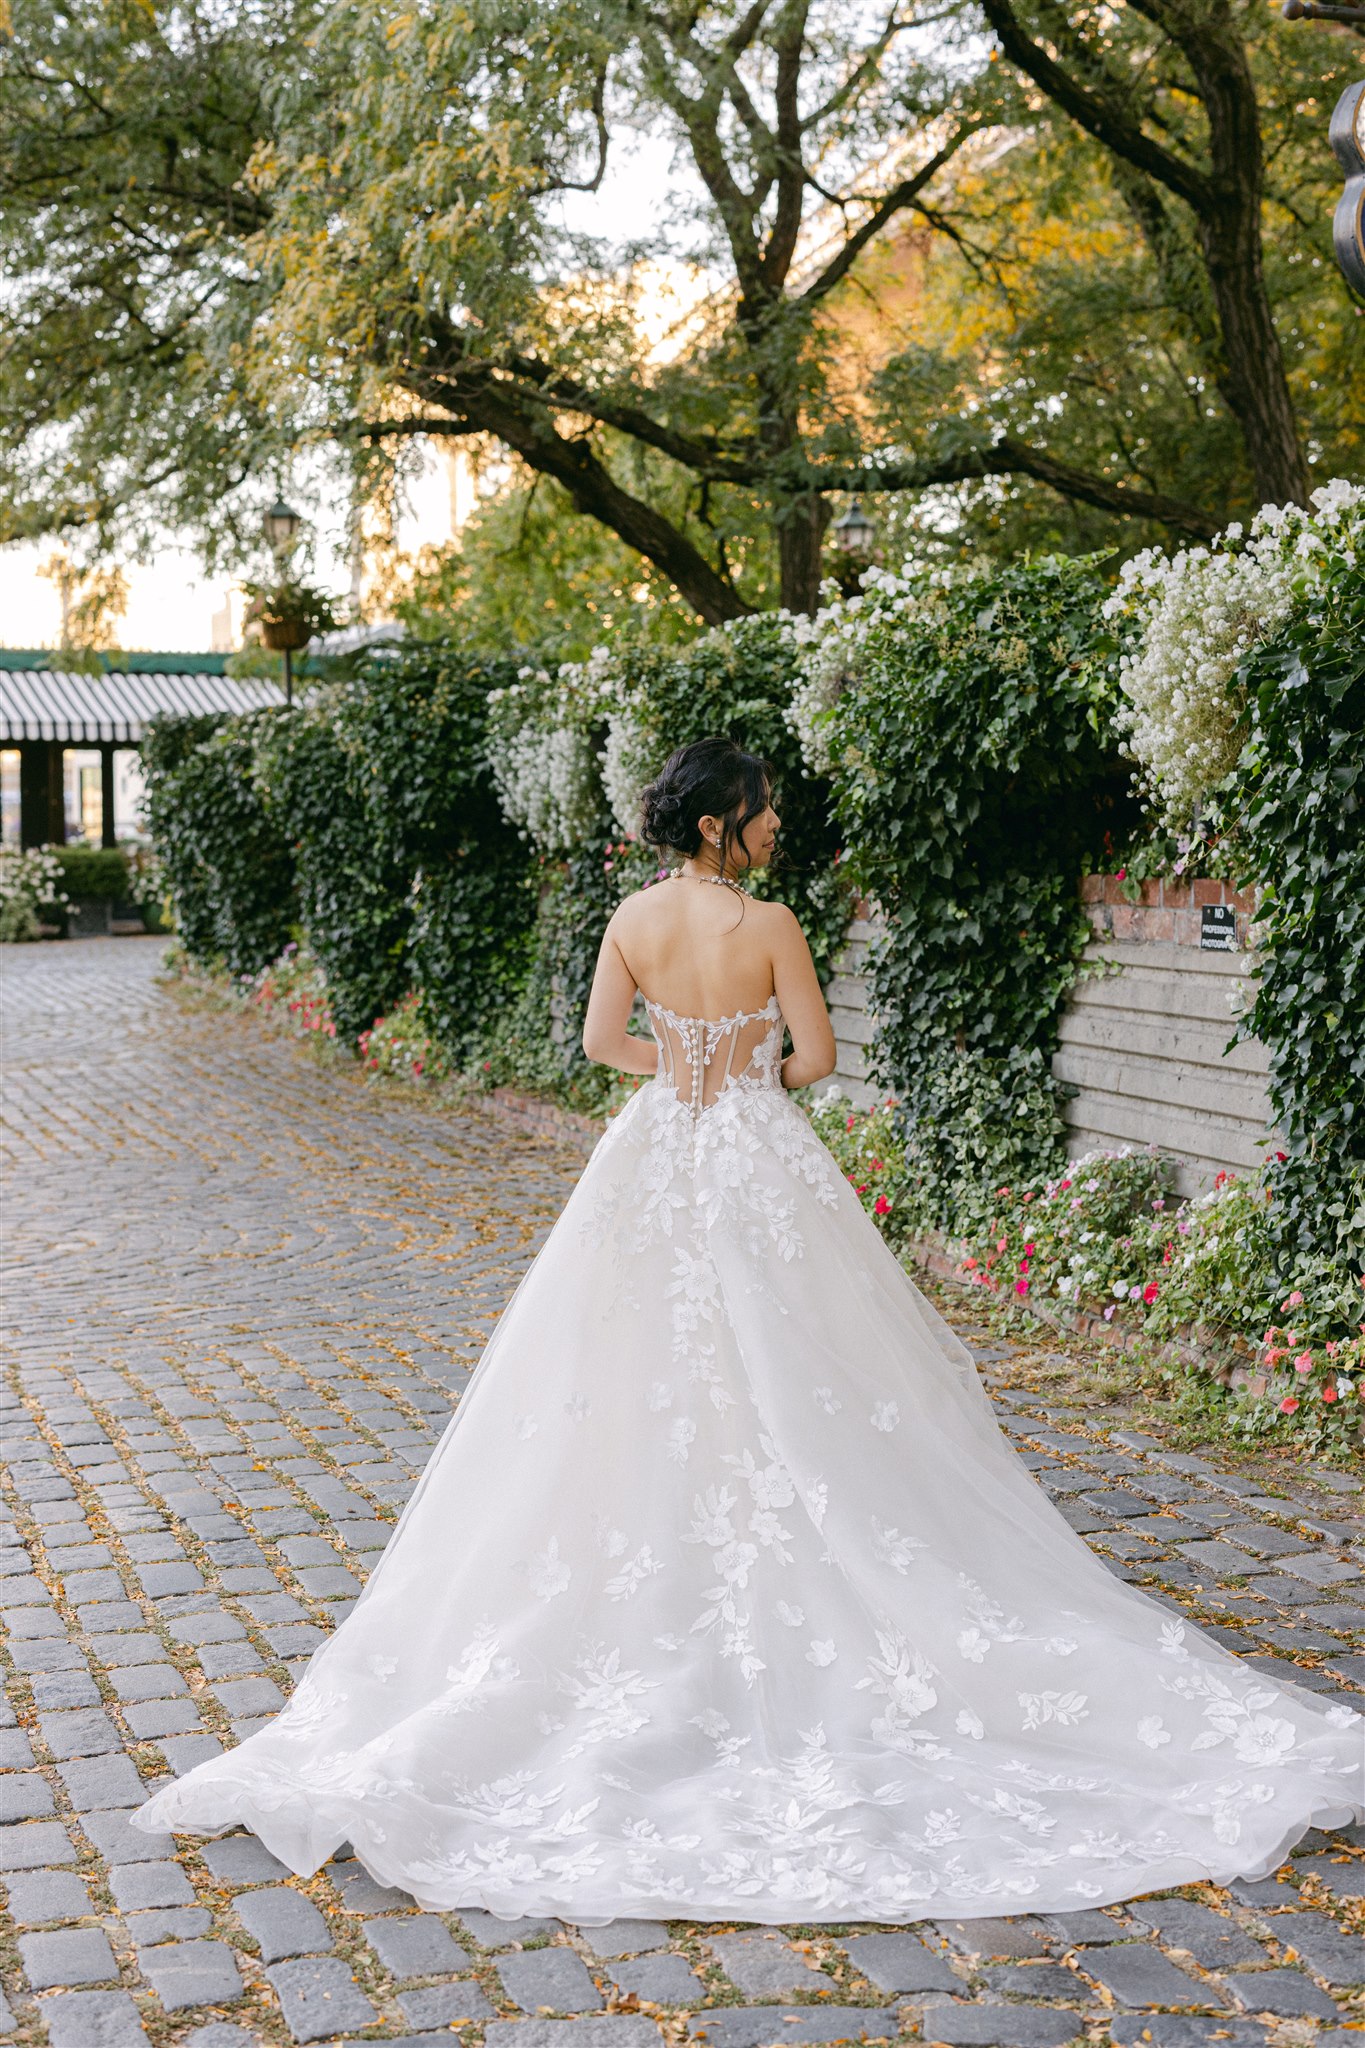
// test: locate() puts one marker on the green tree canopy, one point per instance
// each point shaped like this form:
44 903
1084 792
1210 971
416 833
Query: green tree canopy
1022 257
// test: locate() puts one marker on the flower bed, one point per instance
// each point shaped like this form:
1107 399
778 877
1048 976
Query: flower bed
1106 1247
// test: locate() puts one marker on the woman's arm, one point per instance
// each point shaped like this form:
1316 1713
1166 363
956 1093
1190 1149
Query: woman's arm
802 1003
605 1037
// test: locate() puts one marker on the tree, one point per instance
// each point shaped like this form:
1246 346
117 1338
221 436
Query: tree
1168 90
273 243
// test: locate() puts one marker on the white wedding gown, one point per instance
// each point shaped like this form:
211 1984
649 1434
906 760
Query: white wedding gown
724 1597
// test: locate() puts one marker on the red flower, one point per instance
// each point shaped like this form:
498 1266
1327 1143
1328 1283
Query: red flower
1122 875
1288 1405
1167 1254
1150 1292
969 1265
1329 1392
881 1207
1028 1248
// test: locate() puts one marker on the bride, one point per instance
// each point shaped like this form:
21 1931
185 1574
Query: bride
723 1596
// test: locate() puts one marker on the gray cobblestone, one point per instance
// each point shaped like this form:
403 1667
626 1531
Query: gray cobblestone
1002 1938
186 1973
763 1965
283 1923
659 1979
1001 2026
320 1998
41 1895
77 1955
1288 1994
1140 1975
444 2005
554 1978
31 1843
491 1932
767 2026
1214 1940
611 2030
625 1937
418 1946
899 1962
208 1437
1329 1951
241 1859
93 2019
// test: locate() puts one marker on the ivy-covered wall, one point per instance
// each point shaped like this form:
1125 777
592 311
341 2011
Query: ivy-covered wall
451 835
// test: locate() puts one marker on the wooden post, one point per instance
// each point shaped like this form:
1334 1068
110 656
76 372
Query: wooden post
107 794
42 803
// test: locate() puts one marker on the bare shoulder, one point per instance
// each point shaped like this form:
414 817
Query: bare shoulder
632 909
780 924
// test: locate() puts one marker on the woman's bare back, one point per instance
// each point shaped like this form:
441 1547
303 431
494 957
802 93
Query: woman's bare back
701 951
698 948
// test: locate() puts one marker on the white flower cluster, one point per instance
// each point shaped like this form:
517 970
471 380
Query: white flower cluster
836 644
1199 614
35 872
28 880
542 759
628 763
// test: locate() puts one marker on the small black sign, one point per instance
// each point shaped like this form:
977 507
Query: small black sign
1217 929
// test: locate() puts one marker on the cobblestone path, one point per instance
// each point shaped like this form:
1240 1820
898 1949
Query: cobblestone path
242 1294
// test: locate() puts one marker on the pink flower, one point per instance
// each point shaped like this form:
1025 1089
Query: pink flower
1028 1249
1122 875
1295 1300
1109 1313
1150 1292
881 1207
1021 1286
1304 1362
1288 1405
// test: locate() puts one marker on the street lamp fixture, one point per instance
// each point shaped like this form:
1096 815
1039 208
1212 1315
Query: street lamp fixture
855 533
281 524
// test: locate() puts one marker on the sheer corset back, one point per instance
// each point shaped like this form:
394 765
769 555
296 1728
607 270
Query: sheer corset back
700 1057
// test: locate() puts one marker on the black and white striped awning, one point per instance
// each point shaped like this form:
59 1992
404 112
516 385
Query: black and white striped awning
81 710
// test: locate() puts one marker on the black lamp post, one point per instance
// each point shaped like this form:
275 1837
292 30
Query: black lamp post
854 536
1347 137
281 527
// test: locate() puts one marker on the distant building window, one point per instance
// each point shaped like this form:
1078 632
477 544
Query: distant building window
9 796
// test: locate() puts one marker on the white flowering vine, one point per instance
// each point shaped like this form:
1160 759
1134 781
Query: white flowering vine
1196 616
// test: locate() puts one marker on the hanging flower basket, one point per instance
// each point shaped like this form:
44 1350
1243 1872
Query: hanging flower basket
281 633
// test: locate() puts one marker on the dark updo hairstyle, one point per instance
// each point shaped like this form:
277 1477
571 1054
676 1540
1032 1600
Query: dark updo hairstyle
708 778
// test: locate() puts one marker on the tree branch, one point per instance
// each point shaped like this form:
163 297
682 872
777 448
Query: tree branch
885 209
1100 114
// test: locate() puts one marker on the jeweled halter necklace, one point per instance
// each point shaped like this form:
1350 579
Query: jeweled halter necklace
724 881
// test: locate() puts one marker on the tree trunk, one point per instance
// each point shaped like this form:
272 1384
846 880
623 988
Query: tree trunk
1253 380
800 538
1253 373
